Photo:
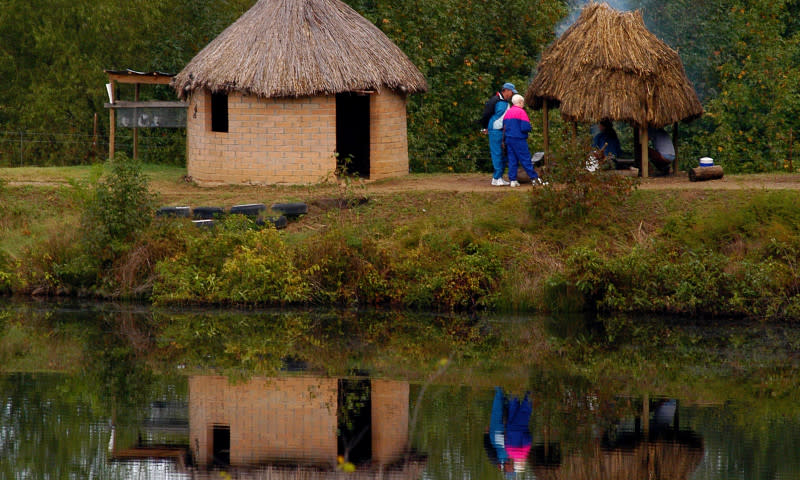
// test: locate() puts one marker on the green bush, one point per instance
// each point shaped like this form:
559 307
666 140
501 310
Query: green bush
233 263
576 194
118 207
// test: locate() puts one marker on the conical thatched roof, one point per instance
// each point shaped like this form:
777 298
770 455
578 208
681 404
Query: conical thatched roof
293 48
608 65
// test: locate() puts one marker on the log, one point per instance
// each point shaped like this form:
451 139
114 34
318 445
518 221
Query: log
698 174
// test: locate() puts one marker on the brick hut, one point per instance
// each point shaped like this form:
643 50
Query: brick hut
290 89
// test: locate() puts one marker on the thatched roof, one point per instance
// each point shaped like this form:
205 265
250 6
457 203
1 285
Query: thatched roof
608 65
294 48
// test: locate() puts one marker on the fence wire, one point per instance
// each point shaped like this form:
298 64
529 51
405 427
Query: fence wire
22 149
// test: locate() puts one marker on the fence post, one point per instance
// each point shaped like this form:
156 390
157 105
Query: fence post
20 148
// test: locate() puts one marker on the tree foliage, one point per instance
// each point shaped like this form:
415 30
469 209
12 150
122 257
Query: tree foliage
741 57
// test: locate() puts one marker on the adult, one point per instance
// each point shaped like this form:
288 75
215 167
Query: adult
494 109
516 126
606 142
663 152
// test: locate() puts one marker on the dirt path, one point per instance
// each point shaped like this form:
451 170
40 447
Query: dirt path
481 183
174 191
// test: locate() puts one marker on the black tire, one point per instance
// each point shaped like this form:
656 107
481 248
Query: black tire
291 209
182 212
278 222
208 213
207 223
250 209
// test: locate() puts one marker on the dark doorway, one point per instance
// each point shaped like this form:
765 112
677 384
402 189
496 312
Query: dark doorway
219 112
221 445
355 420
352 133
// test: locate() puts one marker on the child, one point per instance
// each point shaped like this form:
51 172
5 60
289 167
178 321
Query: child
516 126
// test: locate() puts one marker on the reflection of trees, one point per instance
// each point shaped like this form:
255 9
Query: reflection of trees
333 342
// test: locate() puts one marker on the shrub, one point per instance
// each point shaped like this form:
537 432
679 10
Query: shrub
575 194
234 263
118 206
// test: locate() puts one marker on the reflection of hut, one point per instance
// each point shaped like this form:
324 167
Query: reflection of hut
288 85
607 65
293 421
654 460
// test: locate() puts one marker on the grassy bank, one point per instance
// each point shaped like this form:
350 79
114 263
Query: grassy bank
586 243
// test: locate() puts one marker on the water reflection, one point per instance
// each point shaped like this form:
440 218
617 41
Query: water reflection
315 395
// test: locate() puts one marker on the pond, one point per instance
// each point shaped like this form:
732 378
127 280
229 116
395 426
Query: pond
126 392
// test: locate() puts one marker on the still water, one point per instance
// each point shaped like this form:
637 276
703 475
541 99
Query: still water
103 391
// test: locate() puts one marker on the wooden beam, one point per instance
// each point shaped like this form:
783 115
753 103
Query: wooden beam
546 132
135 130
143 79
645 160
675 145
112 124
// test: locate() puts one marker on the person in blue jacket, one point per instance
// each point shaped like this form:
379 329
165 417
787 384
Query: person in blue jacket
606 140
494 109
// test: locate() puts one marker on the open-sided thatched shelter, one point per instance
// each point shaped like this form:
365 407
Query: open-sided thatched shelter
287 86
607 65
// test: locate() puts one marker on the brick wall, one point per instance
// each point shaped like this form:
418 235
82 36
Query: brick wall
389 420
388 135
292 419
287 140
269 141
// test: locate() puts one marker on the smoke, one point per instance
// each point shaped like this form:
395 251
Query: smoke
575 7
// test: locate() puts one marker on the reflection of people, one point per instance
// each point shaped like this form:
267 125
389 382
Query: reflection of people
508 439
518 433
497 429
494 109
606 141
663 152
516 126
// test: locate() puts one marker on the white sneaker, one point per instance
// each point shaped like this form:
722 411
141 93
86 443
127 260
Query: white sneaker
514 183
499 182
538 182
495 182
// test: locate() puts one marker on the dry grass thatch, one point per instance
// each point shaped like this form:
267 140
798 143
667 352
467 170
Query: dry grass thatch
294 48
608 65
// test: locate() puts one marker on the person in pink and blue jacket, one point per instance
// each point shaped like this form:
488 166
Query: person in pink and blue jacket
516 126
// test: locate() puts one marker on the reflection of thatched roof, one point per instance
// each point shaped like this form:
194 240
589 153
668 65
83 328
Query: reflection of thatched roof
608 65
656 460
293 48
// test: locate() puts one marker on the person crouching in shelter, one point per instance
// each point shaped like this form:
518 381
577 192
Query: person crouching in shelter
663 152
492 122
516 126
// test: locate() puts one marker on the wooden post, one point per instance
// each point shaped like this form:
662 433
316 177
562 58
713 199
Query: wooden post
646 401
574 132
675 145
94 136
546 132
637 150
112 124
645 160
791 143
135 130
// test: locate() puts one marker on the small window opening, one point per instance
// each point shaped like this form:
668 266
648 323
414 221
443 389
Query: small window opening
219 112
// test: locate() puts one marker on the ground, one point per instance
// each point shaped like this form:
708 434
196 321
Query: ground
175 189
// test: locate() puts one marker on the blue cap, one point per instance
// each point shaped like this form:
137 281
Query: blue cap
510 86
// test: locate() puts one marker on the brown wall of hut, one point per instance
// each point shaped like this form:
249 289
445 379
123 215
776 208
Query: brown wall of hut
388 135
389 420
270 419
287 140
269 141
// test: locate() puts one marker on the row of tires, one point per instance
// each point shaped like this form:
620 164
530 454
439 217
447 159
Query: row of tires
205 216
